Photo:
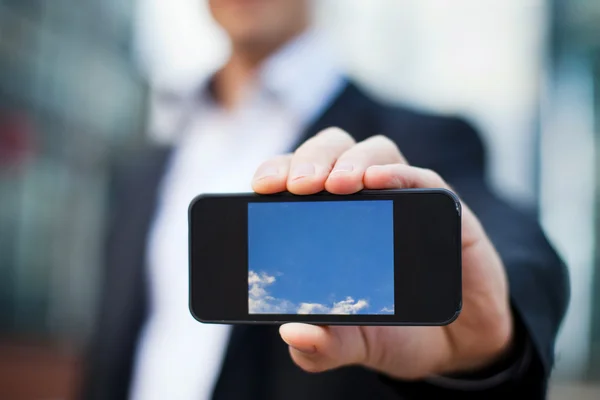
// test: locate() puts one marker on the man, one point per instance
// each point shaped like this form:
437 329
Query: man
280 91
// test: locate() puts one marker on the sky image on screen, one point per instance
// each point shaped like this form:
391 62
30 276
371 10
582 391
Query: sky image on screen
327 257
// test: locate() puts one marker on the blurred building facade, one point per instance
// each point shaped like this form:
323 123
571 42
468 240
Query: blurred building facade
70 95
570 175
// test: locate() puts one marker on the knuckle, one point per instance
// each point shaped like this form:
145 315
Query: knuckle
384 141
382 138
432 176
307 143
387 147
332 131
327 143
335 135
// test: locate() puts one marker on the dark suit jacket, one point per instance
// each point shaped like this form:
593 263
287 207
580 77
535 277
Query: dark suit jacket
257 364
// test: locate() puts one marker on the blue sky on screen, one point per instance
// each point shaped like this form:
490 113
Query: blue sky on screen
321 257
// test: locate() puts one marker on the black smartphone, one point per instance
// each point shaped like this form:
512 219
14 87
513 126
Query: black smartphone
377 257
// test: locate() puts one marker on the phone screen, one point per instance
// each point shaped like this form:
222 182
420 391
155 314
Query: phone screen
387 257
334 257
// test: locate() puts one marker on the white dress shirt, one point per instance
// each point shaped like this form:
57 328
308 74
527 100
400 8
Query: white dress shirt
219 151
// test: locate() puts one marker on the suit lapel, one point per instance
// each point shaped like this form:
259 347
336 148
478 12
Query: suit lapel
142 184
351 111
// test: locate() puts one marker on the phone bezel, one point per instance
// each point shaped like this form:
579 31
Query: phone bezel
448 292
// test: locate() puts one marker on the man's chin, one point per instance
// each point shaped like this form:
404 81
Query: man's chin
255 40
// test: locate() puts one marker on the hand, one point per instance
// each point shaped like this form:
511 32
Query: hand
333 161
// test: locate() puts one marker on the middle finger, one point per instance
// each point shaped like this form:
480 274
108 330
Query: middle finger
347 174
312 162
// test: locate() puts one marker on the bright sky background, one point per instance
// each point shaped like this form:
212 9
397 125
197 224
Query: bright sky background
321 257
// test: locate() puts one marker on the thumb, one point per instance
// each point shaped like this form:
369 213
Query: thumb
321 348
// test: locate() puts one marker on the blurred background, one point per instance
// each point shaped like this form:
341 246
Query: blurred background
81 81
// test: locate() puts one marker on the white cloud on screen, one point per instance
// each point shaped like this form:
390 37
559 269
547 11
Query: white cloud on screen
261 302
387 309
312 308
348 306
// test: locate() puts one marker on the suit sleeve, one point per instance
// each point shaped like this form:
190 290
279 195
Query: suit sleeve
538 279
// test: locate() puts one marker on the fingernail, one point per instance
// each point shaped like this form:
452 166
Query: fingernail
343 167
266 172
302 170
305 350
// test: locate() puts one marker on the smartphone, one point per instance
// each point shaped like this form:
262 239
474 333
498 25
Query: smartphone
377 257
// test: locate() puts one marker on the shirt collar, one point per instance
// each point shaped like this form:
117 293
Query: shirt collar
302 75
